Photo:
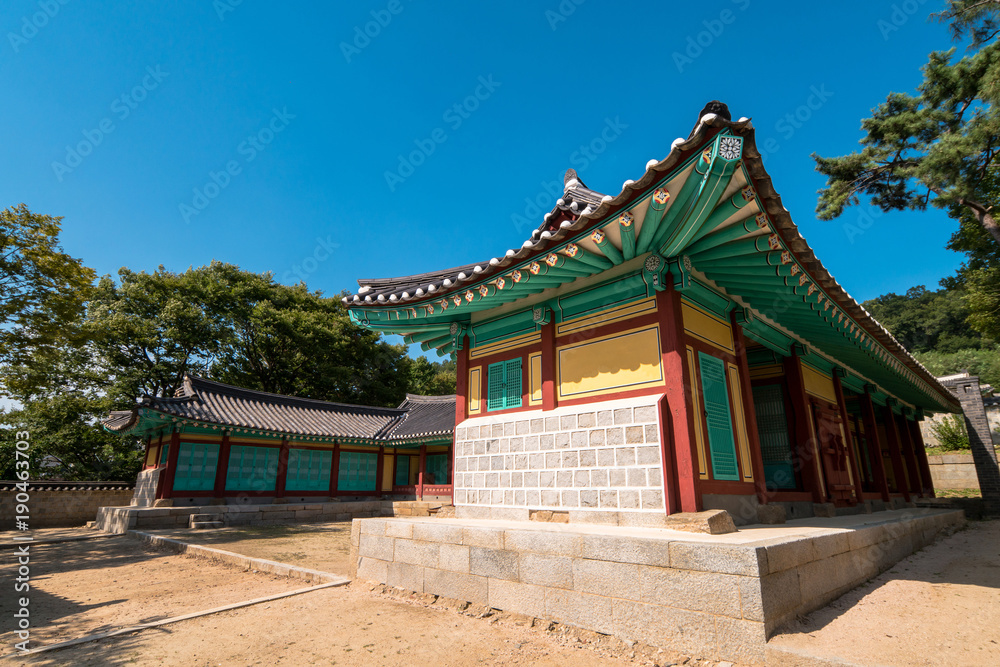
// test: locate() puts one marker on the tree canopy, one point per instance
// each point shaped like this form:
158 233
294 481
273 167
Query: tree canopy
935 147
41 287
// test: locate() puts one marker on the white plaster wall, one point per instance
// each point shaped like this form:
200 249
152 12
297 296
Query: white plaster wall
597 457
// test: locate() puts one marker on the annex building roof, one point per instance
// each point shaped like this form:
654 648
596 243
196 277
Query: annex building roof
215 405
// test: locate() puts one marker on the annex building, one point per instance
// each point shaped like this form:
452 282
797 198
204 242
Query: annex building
674 347
214 443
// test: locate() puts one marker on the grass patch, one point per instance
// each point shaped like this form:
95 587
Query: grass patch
958 493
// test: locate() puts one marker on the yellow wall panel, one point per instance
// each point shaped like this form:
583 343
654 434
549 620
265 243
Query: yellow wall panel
387 472
699 437
818 384
614 363
535 379
505 345
707 327
736 395
475 390
616 314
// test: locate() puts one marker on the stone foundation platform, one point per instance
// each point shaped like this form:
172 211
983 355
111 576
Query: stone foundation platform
714 596
123 519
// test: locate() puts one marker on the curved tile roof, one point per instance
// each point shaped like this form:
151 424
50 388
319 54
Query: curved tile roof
217 403
571 223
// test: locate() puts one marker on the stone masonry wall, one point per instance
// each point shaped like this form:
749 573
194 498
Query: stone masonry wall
953 471
57 508
718 597
597 458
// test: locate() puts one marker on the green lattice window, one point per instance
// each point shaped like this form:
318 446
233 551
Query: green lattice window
164 451
196 465
436 469
252 468
772 431
357 472
504 385
308 470
721 443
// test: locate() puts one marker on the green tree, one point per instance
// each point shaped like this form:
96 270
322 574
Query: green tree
935 147
42 289
983 362
924 320
431 378
977 19
951 433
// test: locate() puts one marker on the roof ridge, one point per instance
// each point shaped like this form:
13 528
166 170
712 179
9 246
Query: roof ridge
285 398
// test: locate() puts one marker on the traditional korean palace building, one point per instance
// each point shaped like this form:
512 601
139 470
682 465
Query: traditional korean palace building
216 442
674 347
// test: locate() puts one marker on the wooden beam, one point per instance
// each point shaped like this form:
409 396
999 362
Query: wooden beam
852 447
678 412
749 411
806 453
874 442
892 435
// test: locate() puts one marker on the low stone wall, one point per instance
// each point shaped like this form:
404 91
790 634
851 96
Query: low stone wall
123 519
718 597
58 504
953 471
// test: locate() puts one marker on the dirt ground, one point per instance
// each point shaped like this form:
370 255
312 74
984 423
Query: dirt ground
318 546
940 606
80 588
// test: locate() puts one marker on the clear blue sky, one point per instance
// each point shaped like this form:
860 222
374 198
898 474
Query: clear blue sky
115 113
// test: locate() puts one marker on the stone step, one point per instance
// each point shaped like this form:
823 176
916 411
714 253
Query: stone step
206 517
199 525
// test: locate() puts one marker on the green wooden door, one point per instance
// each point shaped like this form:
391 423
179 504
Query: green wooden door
721 443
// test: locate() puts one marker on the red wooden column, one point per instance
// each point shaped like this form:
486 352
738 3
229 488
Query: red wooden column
681 487
892 434
421 467
910 457
279 487
222 467
805 443
871 431
462 381
921 451
549 366
852 448
749 412
379 468
334 469
145 456
166 488
462 390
